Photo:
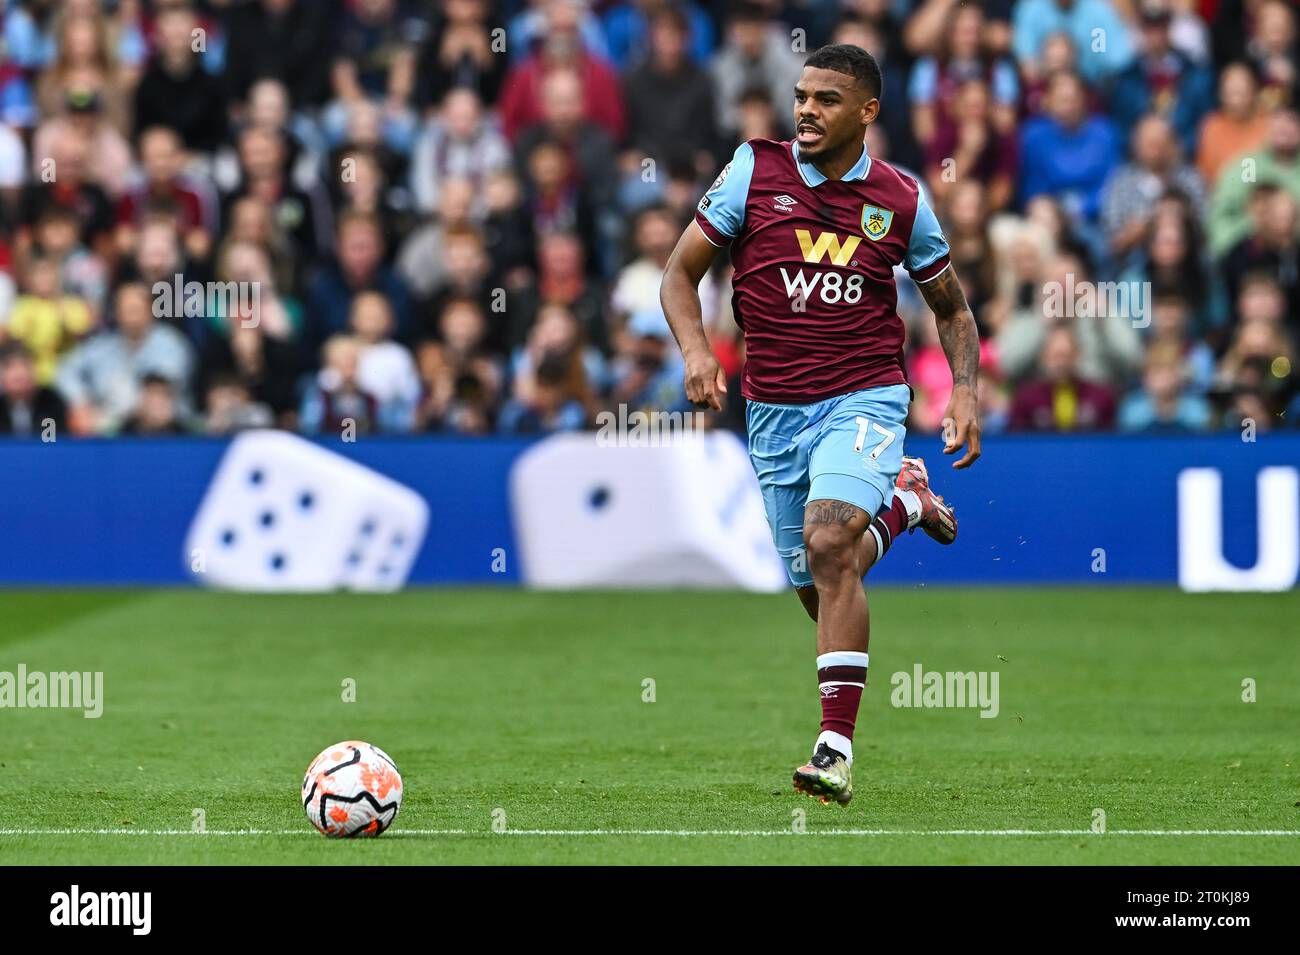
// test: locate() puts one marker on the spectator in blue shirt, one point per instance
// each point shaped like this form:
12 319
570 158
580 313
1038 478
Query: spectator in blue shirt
1067 153
627 30
1098 31
1164 403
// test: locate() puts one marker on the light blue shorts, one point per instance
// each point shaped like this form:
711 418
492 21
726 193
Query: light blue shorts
848 448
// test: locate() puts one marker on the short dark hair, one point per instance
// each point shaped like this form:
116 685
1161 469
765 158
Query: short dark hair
852 61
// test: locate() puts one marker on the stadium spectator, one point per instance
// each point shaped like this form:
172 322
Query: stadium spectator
670 99
1238 126
375 59
463 50
1060 399
358 266
27 407
756 116
268 108
1130 195
1104 331
164 190
549 400
61 181
1165 402
560 280
968 144
386 369
102 377
629 30
176 91
1101 39
756 56
636 288
1171 259
1277 164
1171 327
231 408
335 403
1068 154
265 175
13 171
47 321
1273 251
290 41
560 47
156 411
535 25
971 251
554 202
588 148
462 380
959 59
460 142
240 356
1270 48
1256 376
421 261
86 68
108 161
82 274
1162 80
646 366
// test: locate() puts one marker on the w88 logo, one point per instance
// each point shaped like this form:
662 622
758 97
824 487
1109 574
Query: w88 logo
831 287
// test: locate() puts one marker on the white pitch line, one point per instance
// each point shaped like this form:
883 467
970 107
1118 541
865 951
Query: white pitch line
674 833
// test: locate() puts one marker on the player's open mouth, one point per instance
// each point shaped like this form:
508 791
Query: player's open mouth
808 134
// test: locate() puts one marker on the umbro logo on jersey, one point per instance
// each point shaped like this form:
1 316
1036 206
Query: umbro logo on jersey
784 203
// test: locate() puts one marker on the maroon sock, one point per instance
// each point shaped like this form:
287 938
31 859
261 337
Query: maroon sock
841 675
888 525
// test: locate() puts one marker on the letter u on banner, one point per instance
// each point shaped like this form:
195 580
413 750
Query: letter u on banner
1201 565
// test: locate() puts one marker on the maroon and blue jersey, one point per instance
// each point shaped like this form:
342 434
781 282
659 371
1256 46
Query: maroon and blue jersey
814 289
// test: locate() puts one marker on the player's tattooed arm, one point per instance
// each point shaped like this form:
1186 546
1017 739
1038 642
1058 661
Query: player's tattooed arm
961 344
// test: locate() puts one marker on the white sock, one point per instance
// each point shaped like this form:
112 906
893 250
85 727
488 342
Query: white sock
913 505
837 742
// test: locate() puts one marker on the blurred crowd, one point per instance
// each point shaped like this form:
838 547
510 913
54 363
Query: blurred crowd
453 215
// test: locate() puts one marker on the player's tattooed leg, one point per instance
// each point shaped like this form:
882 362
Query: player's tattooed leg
832 536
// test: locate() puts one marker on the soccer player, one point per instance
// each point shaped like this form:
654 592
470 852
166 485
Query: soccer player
816 227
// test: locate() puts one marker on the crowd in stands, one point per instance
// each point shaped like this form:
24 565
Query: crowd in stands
454 215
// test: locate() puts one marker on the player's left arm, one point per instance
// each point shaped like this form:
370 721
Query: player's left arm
961 344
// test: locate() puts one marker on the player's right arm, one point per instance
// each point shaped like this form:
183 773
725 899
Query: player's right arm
679 294
718 219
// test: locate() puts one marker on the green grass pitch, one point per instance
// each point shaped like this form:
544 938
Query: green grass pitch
1129 701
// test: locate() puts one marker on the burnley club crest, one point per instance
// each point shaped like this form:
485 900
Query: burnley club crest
876 222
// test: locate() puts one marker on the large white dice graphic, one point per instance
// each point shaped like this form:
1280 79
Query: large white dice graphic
283 514
687 514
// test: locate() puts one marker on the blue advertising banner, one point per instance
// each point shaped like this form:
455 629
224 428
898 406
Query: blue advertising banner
1088 510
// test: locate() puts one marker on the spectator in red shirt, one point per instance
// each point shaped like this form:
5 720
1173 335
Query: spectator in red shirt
1060 400
163 190
970 146
561 48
